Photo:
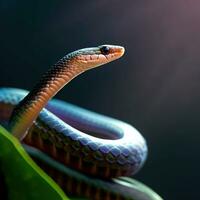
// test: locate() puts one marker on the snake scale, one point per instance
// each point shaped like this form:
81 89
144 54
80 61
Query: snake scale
83 151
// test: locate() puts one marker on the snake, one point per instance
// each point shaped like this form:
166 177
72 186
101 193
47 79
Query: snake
86 153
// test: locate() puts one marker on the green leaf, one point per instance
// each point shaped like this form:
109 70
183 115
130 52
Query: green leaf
24 179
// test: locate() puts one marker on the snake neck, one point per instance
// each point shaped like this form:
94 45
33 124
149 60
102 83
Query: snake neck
29 108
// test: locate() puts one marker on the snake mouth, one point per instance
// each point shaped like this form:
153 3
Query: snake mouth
116 53
117 50
112 52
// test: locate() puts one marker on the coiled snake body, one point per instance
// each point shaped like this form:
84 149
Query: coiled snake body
97 147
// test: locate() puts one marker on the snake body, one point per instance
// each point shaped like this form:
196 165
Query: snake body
98 146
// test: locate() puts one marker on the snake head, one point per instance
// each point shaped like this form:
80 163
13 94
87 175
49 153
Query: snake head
88 58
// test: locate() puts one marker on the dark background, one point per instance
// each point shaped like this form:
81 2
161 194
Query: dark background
154 87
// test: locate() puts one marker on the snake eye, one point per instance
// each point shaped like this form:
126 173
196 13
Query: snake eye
105 50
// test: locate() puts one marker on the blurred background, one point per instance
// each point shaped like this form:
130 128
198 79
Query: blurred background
155 86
